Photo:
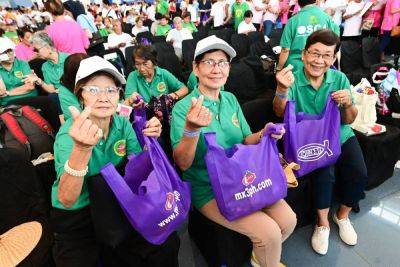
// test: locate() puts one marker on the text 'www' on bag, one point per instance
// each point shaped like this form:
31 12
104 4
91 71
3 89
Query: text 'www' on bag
153 197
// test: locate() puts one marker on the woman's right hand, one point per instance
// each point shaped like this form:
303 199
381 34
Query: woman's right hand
131 101
285 78
84 132
198 116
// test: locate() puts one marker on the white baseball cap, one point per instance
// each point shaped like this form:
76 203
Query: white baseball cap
90 65
213 42
5 44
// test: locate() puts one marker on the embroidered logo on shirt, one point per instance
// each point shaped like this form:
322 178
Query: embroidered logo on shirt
19 74
235 120
161 86
120 148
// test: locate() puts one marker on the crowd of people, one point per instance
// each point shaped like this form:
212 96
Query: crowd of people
87 89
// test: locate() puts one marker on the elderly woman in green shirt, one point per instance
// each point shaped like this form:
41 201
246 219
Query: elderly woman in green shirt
208 109
16 77
149 80
85 143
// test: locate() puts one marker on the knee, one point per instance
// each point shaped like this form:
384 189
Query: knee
290 224
269 235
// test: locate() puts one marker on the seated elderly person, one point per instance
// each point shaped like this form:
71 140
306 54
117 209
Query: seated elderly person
315 83
149 80
139 27
177 35
119 39
186 23
24 50
16 77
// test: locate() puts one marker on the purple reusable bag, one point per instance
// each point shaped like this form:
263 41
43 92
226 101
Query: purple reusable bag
245 178
312 141
153 197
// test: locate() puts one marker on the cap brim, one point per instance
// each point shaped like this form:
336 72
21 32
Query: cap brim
227 49
114 73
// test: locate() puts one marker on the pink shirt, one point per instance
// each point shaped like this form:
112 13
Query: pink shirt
68 36
389 20
24 52
284 7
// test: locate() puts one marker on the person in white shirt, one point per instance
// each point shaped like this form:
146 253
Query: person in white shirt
138 28
108 11
217 14
335 9
270 15
177 35
353 19
119 39
151 12
246 25
258 12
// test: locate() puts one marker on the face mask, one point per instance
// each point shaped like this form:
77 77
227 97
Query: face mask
4 57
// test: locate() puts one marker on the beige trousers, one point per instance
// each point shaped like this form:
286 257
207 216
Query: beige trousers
267 229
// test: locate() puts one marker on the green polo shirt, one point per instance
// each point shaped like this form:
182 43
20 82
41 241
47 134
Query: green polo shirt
299 27
164 82
190 26
238 12
228 123
162 30
162 7
13 79
67 98
121 142
52 72
312 101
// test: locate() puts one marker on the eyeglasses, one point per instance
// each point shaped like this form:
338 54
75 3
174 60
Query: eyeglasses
315 55
222 64
110 91
8 51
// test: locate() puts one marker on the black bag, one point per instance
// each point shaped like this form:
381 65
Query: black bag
394 101
28 137
96 39
109 221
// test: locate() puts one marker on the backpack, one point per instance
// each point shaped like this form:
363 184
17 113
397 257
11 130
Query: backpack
25 130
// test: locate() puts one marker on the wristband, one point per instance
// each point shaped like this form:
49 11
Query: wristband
281 95
74 172
191 133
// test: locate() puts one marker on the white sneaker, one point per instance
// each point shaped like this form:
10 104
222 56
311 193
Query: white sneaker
320 239
346 230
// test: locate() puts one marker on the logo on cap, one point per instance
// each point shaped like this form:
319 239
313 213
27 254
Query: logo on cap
120 148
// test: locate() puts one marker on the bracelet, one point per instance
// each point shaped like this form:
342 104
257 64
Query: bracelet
191 133
74 172
281 95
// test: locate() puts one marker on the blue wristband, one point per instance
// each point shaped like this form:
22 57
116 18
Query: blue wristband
281 95
191 133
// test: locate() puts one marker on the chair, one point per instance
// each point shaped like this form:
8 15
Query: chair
188 48
169 61
200 34
148 23
275 37
127 28
116 57
129 59
256 37
218 245
144 35
159 39
241 82
241 43
163 47
224 34
351 62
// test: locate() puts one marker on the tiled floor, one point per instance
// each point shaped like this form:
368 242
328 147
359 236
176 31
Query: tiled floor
377 225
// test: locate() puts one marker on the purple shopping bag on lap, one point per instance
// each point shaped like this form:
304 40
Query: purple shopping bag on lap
153 197
312 141
244 178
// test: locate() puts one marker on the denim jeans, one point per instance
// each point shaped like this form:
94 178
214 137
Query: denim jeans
268 26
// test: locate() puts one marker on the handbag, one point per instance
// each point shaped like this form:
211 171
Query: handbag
97 38
152 196
245 178
367 24
312 141
395 31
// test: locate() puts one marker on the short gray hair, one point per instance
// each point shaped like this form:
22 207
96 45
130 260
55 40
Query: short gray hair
176 19
42 39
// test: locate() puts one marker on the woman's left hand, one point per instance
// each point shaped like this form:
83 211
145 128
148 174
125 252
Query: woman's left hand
342 98
153 128
274 135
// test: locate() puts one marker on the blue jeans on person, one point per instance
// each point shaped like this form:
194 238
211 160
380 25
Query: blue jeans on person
268 25
385 40
349 175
